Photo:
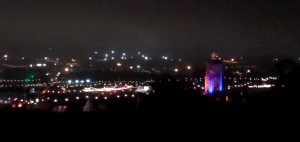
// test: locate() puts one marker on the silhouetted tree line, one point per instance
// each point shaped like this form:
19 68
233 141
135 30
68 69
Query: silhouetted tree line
25 73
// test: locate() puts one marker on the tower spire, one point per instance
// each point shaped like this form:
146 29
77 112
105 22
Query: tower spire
214 56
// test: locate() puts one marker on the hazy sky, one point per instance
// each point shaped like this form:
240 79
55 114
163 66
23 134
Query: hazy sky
175 27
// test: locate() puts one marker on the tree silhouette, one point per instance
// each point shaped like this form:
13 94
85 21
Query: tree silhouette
285 94
285 66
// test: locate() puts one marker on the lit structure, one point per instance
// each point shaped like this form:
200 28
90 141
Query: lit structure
213 76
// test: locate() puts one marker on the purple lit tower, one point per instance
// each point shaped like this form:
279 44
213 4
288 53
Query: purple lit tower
213 76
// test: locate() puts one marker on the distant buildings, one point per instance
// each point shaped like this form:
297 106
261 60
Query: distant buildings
213 76
238 68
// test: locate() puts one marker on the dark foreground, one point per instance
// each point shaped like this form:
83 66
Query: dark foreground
160 117
167 113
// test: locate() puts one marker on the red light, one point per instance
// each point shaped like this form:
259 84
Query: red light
14 105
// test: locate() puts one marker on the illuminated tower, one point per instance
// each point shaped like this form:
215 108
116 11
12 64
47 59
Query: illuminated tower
213 76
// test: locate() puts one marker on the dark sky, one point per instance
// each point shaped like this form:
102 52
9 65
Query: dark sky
164 27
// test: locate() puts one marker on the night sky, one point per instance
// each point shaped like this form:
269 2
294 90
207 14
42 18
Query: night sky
183 28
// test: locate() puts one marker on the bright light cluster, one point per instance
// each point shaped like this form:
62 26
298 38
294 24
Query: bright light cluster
105 89
261 86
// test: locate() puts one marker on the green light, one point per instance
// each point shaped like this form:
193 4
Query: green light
32 76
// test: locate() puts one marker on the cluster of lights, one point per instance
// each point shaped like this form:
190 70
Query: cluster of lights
109 83
105 89
176 69
66 99
124 56
39 64
55 100
77 81
261 86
